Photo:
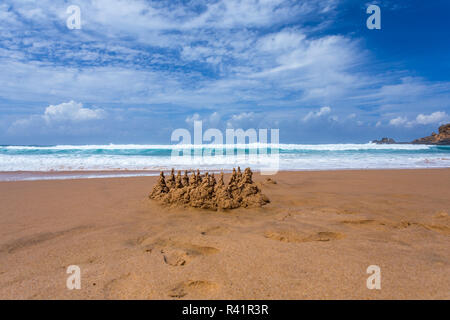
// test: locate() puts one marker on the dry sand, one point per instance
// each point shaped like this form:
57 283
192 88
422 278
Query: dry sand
314 240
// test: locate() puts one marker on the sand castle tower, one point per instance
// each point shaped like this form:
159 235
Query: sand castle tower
171 180
220 183
212 180
233 176
223 198
239 174
232 184
247 177
199 177
185 179
193 179
251 194
178 182
160 188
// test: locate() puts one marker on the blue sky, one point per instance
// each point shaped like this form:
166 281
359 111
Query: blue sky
137 70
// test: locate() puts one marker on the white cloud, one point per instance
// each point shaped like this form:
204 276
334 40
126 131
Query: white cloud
399 121
435 117
246 61
213 120
282 41
243 119
317 114
71 111
243 116
67 118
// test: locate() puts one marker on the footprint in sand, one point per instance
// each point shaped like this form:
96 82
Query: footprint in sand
179 253
289 236
193 287
176 257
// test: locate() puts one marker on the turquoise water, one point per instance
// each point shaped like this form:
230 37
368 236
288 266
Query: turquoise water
279 157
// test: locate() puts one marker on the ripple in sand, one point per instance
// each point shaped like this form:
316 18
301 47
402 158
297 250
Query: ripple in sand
289 236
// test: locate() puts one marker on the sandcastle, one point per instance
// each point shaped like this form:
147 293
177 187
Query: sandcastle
203 191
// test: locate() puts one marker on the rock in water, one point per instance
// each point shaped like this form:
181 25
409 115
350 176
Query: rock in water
384 141
207 193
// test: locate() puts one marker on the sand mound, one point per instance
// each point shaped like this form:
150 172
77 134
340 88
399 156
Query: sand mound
203 191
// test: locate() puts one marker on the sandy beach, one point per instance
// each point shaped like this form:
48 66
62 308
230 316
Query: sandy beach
314 240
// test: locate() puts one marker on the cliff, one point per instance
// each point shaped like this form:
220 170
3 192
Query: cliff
441 138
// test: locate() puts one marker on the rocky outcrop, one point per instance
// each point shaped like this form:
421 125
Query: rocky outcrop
441 138
385 141
203 191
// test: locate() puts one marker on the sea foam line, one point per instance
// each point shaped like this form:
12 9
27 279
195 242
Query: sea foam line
293 147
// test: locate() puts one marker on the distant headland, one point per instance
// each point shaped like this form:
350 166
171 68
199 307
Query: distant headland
441 138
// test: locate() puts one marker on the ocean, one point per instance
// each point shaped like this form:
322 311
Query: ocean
70 161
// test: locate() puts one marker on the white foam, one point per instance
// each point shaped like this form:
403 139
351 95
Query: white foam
318 147
11 163
294 157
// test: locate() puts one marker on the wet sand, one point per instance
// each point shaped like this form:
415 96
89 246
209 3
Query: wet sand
314 240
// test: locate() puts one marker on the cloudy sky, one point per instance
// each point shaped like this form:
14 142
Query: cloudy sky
137 70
